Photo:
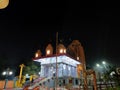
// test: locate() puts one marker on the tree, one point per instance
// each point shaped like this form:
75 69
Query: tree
31 68
112 75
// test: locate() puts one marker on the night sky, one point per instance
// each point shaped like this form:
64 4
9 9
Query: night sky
26 26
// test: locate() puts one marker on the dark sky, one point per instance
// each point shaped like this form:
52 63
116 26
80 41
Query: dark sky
28 25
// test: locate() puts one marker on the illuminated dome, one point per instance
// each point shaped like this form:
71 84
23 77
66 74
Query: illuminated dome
61 49
38 54
49 50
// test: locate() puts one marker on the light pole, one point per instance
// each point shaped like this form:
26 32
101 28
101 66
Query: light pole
56 82
6 73
101 68
104 64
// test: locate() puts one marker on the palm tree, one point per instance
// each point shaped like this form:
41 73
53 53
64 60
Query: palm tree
112 75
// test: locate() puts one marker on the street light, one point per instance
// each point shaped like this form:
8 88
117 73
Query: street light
98 65
103 62
101 68
103 65
98 71
7 73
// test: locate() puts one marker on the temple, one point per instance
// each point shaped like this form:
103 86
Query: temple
58 66
66 66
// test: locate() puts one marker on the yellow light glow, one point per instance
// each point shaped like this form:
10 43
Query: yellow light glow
61 50
77 58
64 50
4 4
36 55
48 52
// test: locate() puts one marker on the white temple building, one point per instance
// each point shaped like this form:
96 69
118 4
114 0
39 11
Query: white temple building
66 66
58 65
